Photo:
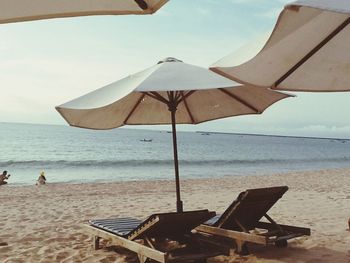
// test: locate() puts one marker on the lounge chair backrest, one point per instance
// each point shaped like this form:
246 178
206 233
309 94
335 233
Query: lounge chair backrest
170 224
249 207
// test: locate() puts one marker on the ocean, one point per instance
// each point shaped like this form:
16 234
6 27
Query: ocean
74 155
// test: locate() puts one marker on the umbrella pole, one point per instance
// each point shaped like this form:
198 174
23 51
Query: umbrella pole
179 204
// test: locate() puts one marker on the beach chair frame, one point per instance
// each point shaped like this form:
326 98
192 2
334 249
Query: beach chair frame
253 231
146 243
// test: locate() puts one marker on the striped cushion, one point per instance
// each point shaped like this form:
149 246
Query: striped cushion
119 226
212 221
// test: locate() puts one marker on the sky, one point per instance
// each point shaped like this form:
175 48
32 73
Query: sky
46 63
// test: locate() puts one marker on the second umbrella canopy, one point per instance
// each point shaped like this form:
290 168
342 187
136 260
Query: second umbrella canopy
308 50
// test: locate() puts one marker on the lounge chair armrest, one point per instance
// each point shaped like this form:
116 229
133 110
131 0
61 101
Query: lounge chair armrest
287 228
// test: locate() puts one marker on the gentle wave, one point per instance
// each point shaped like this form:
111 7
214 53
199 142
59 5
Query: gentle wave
150 163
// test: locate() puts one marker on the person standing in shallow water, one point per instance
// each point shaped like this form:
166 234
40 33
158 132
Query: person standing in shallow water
42 179
4 177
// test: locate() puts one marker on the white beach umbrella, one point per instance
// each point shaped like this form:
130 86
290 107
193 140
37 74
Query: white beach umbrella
168 93
25 10
308 50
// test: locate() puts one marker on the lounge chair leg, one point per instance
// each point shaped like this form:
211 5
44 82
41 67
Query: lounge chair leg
96 242
142 258
241 248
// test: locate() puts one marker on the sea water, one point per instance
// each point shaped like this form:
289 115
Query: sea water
74 155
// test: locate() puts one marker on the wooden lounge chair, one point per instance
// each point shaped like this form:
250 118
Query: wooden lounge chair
241 221
147 238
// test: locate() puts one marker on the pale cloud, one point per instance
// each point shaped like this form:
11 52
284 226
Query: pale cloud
322 131
285 1
259 2
241 125
263 8
203 11
163 12
325 129
270 14
249 1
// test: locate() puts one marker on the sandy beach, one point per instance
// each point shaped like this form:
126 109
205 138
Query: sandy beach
43 224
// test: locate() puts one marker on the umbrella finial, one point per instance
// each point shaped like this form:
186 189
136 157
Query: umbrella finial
169 59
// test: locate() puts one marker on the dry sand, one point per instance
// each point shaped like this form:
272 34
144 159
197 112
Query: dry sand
43 223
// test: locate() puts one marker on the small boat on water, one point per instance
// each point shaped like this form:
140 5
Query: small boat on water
146 140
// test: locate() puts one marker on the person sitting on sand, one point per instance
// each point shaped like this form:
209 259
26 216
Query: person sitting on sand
4 177
42 179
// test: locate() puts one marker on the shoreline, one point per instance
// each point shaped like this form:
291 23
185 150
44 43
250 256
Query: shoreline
43 224
171 179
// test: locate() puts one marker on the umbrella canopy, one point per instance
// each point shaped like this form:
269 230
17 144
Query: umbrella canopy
25 10
168 93
308 50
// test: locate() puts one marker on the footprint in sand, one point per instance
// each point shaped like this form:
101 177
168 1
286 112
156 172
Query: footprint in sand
45 250
5 249
61 255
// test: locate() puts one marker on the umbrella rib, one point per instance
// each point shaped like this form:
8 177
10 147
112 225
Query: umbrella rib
240 100
157 96
187 95
178 95
312 52
187 108
134 108
142 4
170 96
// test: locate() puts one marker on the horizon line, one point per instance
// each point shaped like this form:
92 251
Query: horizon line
208 132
